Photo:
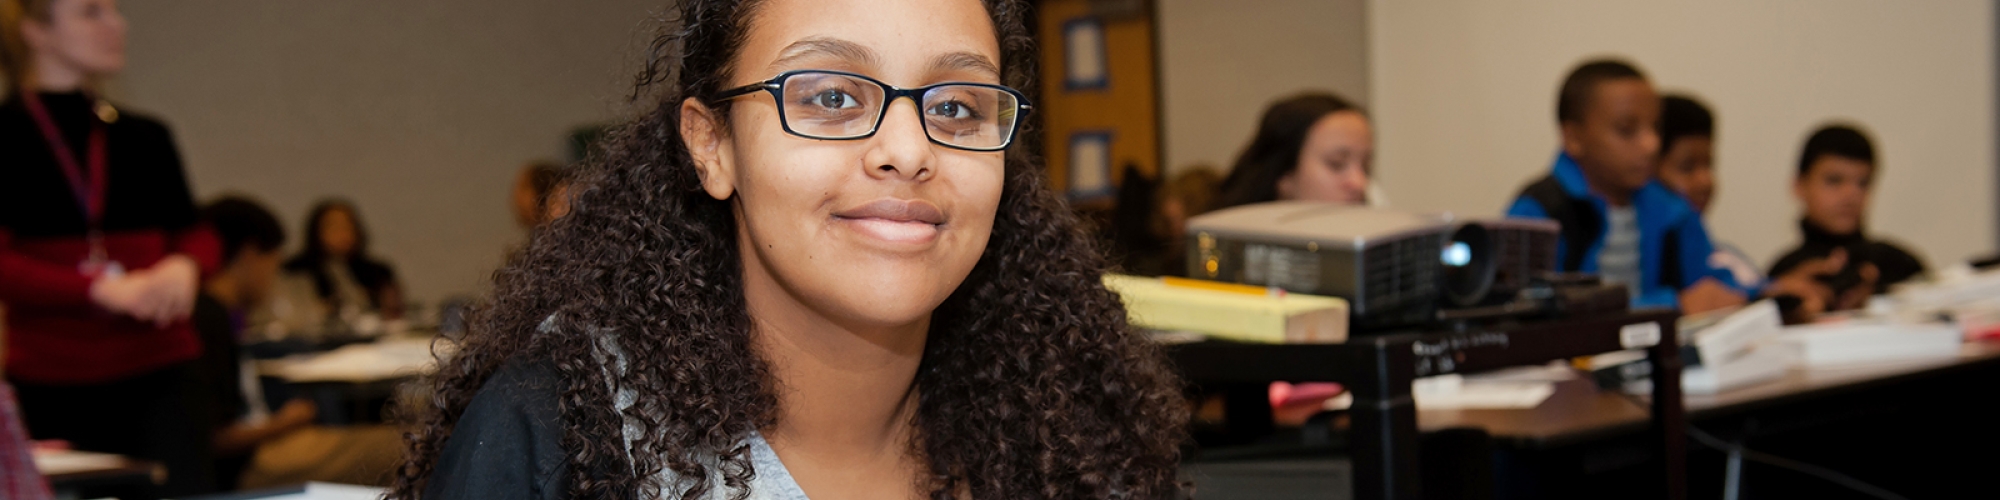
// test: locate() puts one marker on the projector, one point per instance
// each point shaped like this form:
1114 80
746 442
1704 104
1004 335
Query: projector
1394 268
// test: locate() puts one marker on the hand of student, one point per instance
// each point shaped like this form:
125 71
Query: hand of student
295 414
1804 282
1708 295
1857 296
122 294
170 289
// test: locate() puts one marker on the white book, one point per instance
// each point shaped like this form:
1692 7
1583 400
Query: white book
1763 364
1734 334
1848 343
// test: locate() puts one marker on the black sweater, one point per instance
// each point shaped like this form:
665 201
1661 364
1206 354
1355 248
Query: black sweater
1895 264
145 187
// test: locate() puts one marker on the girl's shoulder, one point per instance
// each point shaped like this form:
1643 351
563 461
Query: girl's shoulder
508 442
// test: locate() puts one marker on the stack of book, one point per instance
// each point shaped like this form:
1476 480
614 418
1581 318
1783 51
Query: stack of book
1720 351
1751 345
1229 311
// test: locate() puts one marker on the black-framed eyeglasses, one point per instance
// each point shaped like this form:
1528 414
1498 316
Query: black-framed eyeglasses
834 105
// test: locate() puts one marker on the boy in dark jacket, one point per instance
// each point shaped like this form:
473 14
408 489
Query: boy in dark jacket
1836 175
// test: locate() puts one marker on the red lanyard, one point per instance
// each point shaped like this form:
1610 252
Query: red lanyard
89 192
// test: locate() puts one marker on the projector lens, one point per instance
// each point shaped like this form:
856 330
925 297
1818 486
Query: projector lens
1468 266
1457 254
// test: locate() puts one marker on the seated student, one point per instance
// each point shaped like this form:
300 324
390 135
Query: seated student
335 258
1148 236
821 267
1836 174
1687 166
1616 221
248 439
1312 146
540 194
1189 193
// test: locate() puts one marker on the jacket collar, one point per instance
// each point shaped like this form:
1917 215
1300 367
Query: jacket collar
1815 235
1570 175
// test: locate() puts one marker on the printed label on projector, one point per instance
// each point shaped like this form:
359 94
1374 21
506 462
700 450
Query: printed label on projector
1639 335
1287 268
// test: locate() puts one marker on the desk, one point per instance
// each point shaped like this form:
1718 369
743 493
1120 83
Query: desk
1830 416
74 474
1378 370
308 491
1805 385
354 376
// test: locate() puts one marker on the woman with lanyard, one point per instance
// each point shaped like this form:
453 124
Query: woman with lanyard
99 252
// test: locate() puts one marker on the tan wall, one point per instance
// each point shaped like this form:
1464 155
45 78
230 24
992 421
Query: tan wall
1464 94
1223 61
421 112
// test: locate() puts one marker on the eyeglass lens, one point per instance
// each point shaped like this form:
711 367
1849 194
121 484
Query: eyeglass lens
836 106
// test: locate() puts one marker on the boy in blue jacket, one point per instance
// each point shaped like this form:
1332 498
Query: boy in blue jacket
1616 220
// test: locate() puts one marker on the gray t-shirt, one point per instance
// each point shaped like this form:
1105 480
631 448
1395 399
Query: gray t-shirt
771 482
1618 260
508 446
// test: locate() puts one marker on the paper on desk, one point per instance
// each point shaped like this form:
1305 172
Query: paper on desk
1511 389
379 360
333 491
52 462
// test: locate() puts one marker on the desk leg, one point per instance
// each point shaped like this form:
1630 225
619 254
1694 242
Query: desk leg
1384 431
1669 415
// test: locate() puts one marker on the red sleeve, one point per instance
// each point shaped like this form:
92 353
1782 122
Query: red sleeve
31 282
200 243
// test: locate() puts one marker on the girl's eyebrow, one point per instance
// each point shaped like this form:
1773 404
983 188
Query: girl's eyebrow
820 46
825 46
965 61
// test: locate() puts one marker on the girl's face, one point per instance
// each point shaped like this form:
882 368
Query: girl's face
337 234
1333 162
868 233
85 36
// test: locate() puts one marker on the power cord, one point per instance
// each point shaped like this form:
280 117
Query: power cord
1776 461
1718 444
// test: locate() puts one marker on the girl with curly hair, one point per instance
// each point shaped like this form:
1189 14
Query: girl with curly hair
820 265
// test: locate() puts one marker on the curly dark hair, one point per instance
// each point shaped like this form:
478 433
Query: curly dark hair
1032 384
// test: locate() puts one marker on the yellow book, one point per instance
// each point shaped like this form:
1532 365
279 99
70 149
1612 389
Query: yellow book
1235 312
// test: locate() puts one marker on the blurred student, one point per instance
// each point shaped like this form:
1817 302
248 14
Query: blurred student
1152 218
249 439
335 258
100 254
1190 193
1836 175
1314 146
251 240
541 194
1616 221
1687 166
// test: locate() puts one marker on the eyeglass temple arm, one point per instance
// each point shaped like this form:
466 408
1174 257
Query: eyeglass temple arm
746 90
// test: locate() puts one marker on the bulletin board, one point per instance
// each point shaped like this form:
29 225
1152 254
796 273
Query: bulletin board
1099 100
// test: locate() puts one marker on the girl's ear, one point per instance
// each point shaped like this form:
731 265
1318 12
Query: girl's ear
706 143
